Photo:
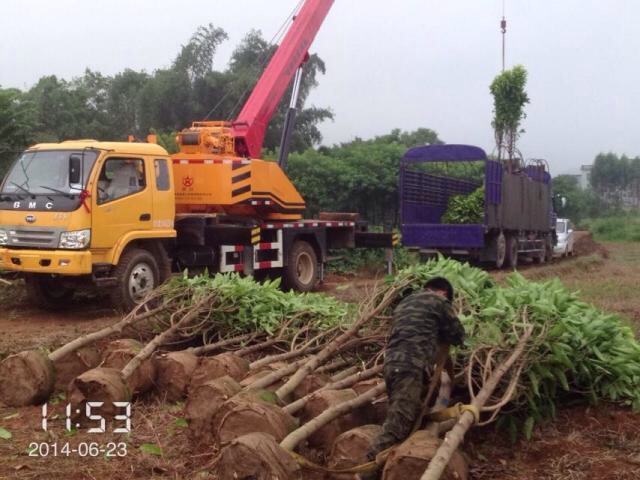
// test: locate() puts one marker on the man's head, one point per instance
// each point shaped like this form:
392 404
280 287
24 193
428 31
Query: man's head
441 286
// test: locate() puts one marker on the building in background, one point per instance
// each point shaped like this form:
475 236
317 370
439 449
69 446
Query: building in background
584 177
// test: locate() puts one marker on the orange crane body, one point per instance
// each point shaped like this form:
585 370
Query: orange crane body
217 169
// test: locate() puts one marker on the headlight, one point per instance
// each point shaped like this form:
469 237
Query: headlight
76 239
4 238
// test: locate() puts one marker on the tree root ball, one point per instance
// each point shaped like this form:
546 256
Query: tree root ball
411 458
173 374
74 364
241 415
324 437
26 378
255 456
99 385
119 352
310 383
203 404
224 364
377 411
350 448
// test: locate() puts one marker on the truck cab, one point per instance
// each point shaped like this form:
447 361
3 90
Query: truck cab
88 211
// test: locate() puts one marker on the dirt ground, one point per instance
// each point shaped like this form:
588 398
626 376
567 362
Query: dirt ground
583 443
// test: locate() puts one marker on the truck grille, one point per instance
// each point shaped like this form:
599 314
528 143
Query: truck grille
34 237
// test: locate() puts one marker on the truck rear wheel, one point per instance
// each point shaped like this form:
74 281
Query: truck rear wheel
47 291
512 251
137 273
301 271
501 250
548 247
540 257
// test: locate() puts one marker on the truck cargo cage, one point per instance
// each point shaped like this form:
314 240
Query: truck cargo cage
517 214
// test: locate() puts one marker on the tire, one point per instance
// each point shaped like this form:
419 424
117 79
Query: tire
301 271
46 291
501 250
512 252
137 273
541 256
548 245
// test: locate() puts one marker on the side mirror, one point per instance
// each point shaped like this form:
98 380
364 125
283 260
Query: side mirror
563 201
75 169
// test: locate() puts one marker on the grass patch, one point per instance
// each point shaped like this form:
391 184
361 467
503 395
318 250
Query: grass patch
624 228
352 260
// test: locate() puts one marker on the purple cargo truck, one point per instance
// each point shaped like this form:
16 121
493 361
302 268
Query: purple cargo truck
518 219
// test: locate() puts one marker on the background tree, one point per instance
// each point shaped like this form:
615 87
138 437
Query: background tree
16 125
357 176
169 99
580 203
509 99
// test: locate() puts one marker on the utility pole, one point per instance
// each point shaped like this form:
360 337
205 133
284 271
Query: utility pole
503 29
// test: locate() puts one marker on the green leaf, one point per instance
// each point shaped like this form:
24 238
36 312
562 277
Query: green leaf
181 422
528 427
151 448
5 434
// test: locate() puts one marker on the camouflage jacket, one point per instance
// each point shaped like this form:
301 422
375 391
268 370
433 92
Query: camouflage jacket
421 321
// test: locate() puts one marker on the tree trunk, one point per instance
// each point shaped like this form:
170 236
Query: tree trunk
294 407
294 438
454 438
368 312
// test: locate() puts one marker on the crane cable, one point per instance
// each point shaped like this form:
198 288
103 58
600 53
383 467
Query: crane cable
266 55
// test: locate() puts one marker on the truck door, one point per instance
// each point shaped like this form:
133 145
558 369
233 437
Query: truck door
163 195
123 202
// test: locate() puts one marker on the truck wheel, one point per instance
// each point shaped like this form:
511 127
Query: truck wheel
512 251
136 274
501 250
541 256
46 291
548 247
301 272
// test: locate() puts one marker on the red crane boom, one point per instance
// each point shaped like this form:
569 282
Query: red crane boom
249 127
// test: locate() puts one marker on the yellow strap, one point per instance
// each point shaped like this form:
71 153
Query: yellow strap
473 409
455 411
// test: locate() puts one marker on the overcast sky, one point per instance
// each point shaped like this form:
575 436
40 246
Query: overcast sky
403 64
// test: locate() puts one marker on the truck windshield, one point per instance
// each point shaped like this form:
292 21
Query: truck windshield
40 172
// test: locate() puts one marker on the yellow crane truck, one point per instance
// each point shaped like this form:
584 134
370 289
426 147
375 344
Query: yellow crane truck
124 215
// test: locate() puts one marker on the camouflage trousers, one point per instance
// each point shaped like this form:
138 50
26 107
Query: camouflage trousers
405 389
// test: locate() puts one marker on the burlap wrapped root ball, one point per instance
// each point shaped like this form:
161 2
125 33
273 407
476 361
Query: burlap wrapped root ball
310 383
120 352
26 378
224 364
350 448
411 458
75 363
98 385
255 456
203 404
248 413
322 400
173 374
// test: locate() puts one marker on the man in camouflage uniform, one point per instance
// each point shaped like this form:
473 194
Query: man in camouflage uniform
422 321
